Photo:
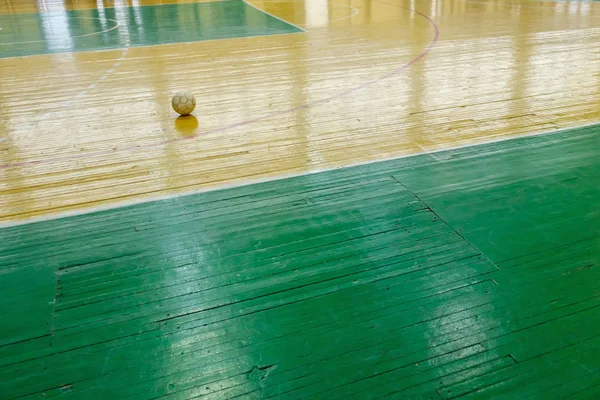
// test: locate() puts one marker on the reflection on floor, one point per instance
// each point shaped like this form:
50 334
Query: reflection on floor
471 273
367 80
113 28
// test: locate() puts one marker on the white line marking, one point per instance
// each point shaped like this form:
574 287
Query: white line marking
354 13
355 10
430 152
90 87
72 37
149 199
274 35
274 16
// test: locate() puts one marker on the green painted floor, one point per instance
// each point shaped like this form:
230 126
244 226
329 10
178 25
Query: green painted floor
110 28
471 273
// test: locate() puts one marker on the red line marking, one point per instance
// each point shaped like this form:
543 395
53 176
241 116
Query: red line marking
258 119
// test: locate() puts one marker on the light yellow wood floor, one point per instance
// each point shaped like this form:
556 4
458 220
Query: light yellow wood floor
91 129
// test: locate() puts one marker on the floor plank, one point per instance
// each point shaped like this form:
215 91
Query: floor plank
368 80
369 282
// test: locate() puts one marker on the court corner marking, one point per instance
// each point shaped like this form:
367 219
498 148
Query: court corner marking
274 16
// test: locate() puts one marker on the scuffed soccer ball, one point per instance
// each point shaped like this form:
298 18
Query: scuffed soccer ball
183 102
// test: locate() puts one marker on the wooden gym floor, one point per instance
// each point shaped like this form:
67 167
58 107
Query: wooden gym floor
374 198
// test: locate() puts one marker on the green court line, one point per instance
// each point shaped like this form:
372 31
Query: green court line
112 28
474 272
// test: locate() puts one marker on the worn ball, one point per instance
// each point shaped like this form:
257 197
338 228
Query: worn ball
183 102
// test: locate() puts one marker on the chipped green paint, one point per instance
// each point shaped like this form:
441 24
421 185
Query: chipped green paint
112 28
471 274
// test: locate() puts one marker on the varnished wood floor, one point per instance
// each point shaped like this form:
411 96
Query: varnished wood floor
472 275
367 80
466 273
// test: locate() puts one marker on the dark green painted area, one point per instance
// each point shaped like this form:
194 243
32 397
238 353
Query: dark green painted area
472 273
110 28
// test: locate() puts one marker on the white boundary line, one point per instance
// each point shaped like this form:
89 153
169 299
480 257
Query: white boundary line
83 92
123 204
174 43
354 13
274 16
72 37
119 6
354 9
154 45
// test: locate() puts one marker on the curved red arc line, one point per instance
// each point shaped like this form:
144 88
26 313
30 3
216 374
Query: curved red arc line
258 119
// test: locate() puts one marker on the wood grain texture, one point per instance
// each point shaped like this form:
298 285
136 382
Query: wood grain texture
473 274
88 129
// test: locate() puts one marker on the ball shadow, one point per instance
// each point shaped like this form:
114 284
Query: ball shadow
186 125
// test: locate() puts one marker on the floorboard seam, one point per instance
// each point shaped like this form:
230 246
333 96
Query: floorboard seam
446 223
